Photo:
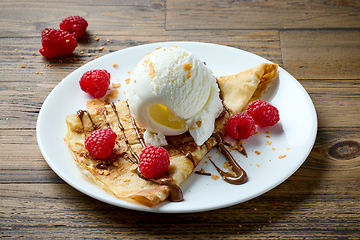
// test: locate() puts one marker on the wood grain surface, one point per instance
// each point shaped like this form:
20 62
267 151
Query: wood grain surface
318 42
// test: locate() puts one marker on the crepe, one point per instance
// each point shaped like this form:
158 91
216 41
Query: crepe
118 174
238 90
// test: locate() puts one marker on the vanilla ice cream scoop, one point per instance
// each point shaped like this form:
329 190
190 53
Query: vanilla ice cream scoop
171 91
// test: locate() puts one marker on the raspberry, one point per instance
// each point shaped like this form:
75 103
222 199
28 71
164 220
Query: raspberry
240 126
75 25
95 82
56 43
263 113
153 161
100 143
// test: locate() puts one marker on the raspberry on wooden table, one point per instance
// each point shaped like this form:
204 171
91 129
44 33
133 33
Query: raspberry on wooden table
95 82
56 43
240 126
101 143
263 113
75 25
153 161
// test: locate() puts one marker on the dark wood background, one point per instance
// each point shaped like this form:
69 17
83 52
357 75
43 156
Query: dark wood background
318 42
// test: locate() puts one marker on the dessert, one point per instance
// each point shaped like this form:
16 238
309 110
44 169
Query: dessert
172 91
119 173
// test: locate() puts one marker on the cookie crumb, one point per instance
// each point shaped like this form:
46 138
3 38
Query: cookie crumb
127 81
101 48
282 156
114 93
94 103
115 65
116 85
215 177
257 152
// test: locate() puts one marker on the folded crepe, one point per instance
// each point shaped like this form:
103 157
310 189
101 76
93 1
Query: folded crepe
117 174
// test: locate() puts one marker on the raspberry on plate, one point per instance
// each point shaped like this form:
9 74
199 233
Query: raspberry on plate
56 43
240 126
153 161
263 113
101 143
95 82
75 25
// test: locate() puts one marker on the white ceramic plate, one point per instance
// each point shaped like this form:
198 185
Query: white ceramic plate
293 136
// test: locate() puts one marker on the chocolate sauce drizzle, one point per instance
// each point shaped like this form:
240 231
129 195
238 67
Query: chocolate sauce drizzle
240 175
186 154
133 154
80 114
141 140
175 193
203 173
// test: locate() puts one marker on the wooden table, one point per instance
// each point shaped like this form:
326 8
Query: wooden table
318 42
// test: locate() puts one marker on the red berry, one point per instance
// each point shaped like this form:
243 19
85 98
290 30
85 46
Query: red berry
95 82
240 126
100 143
263 113
75 25
153 161
56 43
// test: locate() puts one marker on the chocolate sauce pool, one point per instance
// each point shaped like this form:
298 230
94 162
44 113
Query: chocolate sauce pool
175 193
